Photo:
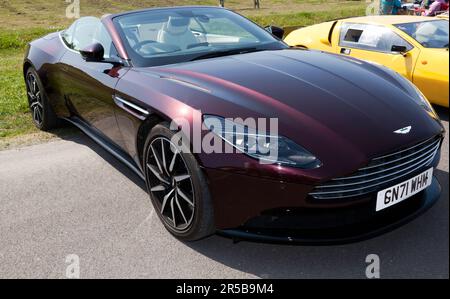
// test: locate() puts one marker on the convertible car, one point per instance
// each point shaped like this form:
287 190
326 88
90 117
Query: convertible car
416 47
356 143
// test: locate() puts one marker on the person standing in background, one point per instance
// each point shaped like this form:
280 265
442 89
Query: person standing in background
435 7
390 7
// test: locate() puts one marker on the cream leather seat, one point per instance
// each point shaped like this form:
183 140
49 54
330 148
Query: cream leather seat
176 32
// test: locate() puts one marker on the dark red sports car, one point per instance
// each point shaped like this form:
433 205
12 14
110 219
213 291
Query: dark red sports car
234 132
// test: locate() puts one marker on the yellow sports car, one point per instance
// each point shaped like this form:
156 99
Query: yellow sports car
416 47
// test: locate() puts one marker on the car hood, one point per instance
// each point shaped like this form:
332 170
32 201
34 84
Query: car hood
333 106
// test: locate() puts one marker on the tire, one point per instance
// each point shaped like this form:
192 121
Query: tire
176 183
42 113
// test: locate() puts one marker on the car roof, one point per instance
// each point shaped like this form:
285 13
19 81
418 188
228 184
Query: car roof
389 20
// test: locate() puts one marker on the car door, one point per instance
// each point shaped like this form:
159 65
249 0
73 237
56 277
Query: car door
431 75
89 86
378 44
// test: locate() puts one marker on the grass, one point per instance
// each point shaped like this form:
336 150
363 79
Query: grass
14 116
307 18
24 20
18 39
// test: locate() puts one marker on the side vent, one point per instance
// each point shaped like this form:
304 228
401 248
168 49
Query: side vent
131 108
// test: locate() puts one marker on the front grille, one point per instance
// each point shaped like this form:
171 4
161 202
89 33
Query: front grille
380 172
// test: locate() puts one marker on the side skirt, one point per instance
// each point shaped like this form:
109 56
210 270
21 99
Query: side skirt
107 145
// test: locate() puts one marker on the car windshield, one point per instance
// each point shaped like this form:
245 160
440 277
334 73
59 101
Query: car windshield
166 36
430 34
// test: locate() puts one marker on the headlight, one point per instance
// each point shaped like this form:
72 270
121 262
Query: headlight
269 149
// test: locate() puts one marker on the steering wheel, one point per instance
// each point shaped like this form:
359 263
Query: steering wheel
139 45
206 44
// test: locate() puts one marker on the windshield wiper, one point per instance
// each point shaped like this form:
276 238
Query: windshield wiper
226 53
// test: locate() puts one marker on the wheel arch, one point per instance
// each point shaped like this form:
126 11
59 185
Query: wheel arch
146 126
144 129
26 65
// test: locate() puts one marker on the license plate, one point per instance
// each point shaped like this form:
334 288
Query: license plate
398 193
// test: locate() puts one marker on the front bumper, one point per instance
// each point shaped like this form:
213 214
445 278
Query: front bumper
259 209
336 226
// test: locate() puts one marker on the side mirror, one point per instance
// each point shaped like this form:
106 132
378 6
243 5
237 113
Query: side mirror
325 41
399 49
93 53
276 31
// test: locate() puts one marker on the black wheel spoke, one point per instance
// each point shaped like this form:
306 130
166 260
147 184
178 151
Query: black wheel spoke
157 174
172 163
30 83
38 96
163 156
173 213
180 178
158 188
39 113
31 95
35 113
184 196
158 163
168 195
180 209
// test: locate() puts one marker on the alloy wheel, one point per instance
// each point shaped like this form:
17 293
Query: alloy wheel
35 99
170 184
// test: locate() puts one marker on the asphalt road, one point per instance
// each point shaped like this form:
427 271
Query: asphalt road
71 197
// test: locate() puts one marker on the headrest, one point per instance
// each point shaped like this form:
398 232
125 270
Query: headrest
177 25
